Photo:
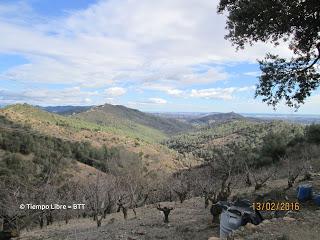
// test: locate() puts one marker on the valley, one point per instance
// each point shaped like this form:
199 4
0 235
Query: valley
148 120
116 159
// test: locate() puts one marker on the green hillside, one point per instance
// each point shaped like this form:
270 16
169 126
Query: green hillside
48 157
29 114
235 137
216 118
18 141
123 117
135 138
66 110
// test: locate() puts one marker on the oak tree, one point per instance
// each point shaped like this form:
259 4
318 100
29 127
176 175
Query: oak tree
296 22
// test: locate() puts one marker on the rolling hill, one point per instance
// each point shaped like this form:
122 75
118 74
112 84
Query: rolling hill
216 118
105 150
135 138
46 121
200 119
206 141
123 117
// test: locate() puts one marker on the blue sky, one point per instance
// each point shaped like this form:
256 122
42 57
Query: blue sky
167 55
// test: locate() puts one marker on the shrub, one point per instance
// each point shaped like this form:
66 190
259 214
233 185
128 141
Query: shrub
312 133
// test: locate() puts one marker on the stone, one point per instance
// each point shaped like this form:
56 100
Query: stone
131 238
250 226
139 232
274 220
213 238
289 219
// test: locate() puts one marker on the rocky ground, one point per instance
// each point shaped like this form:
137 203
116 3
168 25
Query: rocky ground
292 225
190 220
303 226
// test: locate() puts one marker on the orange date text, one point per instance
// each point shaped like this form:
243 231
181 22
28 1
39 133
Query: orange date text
276 206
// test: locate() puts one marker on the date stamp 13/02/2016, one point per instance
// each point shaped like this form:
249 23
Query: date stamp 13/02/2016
276 206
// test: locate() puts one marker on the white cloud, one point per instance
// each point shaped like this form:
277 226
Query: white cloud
148 102
212 75
219 93
252 74
69 96
142 44
213 93
175 92
115 91
88 100
157 101
210 93
170 90
245 89
116 41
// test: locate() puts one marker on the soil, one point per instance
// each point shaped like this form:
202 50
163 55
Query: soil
191 221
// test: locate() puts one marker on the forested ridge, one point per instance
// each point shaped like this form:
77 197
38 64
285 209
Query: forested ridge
236 136
18 139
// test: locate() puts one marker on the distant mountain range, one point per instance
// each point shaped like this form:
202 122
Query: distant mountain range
201 118
294 118
169 122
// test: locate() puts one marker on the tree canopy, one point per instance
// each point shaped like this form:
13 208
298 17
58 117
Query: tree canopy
296 22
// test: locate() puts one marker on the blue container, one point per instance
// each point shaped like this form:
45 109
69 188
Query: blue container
317 199
304 192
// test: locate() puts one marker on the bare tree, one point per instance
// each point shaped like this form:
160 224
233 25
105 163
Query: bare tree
136 197
259 176
209 195
261 179
181 184
298 162
123 206
100 196
11 195
292 176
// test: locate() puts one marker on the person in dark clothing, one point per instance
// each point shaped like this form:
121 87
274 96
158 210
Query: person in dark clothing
215 211
166 211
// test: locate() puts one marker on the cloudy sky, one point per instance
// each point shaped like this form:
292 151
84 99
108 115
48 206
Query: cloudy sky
167 55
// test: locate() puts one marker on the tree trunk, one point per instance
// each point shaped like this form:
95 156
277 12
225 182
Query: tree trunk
99 221
125 212
41 222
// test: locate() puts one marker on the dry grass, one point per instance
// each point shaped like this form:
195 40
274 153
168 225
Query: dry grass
189 220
